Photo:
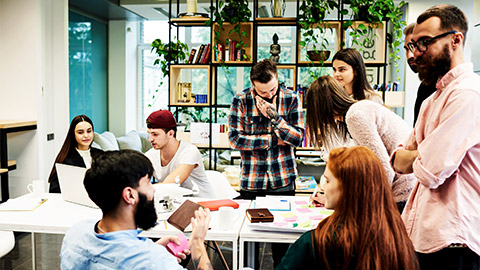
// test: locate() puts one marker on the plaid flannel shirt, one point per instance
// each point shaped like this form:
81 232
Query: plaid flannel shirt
264 163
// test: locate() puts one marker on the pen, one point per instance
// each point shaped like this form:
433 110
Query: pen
314 194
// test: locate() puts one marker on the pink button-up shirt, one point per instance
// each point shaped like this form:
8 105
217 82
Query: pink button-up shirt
444 206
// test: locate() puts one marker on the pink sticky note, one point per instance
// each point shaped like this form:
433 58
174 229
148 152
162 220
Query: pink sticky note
318 217
280 224
174 249
290 219
300 202
304 210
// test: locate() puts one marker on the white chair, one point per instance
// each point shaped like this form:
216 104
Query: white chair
221 186
7 242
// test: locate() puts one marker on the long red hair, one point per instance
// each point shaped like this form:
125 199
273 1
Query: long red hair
366 230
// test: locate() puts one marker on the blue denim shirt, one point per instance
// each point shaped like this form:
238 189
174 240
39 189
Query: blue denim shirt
83 248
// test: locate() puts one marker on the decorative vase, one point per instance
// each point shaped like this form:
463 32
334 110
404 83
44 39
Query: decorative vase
278 8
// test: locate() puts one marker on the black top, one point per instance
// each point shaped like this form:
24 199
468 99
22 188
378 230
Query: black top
73 158
424 91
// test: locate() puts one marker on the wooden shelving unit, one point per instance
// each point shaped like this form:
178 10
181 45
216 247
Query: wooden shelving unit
10 126
251 40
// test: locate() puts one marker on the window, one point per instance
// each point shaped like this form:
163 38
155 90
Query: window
153 84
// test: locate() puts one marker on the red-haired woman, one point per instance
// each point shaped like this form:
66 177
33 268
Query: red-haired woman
365 231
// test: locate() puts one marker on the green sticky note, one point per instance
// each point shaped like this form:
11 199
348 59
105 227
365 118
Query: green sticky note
326 212
305 224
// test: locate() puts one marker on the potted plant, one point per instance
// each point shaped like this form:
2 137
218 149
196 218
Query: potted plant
375 12
234 12
169 53
314 28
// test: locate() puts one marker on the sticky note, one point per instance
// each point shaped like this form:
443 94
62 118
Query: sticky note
280 224
287 215
304 210
301 202
326 212
290 219
317 217
305 224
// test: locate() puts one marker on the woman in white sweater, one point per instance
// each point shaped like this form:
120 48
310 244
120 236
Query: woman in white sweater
333 114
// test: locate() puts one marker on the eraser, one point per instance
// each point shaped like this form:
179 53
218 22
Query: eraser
173 248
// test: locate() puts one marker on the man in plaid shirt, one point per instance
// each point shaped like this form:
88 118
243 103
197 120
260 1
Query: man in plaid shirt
266 124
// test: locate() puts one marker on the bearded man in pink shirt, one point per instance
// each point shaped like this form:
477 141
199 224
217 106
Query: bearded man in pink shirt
442 215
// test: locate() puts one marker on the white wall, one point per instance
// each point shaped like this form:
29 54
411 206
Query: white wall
33 69
122 72
412 82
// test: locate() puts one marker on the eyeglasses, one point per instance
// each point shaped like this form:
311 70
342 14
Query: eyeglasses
422 44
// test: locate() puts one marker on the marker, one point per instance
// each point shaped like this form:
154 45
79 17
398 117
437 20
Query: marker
165 224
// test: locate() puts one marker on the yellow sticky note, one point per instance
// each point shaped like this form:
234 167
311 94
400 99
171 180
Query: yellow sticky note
326 212
288 215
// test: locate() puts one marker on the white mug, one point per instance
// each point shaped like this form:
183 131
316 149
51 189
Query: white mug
226 215
36 188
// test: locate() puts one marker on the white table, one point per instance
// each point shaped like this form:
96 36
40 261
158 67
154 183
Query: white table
249 236
56 216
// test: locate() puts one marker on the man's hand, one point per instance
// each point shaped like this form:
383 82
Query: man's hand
171 238
403 160
267 109
200 225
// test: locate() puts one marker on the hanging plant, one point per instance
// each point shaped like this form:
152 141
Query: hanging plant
315 28
168 53
374 12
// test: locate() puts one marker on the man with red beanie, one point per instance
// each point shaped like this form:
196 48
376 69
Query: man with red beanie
174 160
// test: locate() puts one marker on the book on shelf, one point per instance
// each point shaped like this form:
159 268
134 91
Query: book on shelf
208 54
219 52
192 56
203 59
199 54
233 50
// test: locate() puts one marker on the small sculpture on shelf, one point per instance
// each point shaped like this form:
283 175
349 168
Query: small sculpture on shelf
275 49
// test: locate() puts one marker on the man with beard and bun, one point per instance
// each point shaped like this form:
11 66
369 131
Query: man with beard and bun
119 182
424 90
265 125
442 215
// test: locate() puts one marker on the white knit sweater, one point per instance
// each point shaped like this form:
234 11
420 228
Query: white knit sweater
381 130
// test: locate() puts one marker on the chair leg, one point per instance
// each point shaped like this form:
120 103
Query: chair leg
221 255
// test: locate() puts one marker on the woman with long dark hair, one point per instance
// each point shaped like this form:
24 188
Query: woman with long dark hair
76 149
365 231
349 70
334 118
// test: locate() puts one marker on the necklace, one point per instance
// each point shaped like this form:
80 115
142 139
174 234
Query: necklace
100 229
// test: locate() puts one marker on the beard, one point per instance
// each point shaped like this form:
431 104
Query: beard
145 216
413 66
269 100
434 67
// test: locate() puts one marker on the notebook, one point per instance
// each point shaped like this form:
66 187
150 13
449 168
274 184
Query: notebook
70 179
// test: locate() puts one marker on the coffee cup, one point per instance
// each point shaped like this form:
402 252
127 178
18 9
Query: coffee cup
37 188
226 215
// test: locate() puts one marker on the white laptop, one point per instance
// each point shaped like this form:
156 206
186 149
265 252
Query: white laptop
71 184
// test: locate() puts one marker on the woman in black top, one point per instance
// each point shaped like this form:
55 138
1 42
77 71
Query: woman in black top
76 149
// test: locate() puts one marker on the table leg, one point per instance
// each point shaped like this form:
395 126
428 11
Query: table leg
34 253
241 257
251 254
235 254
